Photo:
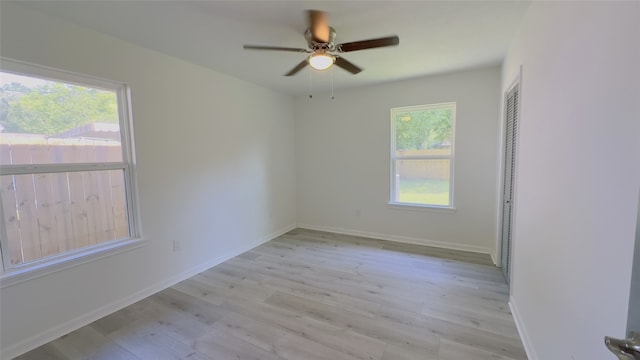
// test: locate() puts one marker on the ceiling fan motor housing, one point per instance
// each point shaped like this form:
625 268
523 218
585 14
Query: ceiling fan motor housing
328 46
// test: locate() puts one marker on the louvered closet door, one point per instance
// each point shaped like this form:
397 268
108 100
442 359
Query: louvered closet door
509 177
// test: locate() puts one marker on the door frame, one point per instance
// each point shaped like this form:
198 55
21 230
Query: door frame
633 314
517 82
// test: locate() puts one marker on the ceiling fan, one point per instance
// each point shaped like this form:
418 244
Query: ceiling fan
323 50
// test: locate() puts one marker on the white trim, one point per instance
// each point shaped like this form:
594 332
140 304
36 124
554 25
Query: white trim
400 239
422 208
18 67
270 237
4 255
514 200
67 260
129 154
85 319
60 168
522 330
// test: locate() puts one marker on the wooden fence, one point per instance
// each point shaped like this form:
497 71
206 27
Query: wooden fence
51 213
424 169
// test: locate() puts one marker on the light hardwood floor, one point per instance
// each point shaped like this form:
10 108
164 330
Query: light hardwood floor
311 295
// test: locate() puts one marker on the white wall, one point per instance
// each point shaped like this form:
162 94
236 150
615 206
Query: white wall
342 161
215 166
578 175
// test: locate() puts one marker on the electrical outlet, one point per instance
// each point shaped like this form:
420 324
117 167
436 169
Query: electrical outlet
176 245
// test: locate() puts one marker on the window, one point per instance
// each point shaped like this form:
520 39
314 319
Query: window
66 187
422 155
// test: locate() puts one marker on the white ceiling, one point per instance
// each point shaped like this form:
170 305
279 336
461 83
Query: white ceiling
435 36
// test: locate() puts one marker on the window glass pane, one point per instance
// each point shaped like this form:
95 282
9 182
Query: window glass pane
424 132
48 214
50 122
423 181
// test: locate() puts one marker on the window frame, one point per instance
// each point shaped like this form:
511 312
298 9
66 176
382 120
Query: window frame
394 158
11 274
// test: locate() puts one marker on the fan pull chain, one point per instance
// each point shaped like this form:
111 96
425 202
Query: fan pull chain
332 98
310 96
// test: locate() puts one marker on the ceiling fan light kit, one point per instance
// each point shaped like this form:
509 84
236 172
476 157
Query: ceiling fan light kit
325 53
321 61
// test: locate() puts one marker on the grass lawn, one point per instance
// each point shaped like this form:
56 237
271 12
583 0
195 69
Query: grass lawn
424 191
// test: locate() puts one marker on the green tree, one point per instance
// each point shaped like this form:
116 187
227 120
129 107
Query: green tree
425 129
10 93
54 108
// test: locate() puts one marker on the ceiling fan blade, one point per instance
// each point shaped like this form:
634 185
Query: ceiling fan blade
276 48
319 26
350 67
369 44
297 68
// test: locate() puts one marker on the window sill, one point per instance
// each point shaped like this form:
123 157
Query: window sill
52 265
421 208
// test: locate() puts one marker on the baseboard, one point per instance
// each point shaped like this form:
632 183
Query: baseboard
493 258
267 237
396 238
522 330
51 334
